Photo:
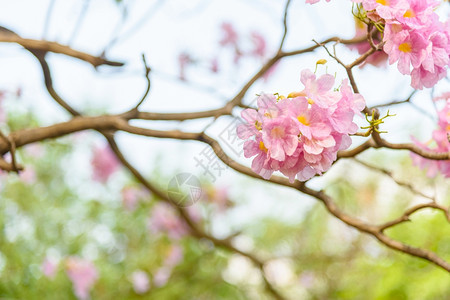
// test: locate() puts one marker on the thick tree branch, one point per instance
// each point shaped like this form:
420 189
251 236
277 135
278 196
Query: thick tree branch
47 46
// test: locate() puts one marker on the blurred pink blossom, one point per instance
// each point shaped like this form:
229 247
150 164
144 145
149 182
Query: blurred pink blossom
259 45
215 65
83 275
218 196
161 277
104 163
28 175
194 213
184 59
441 140
34 150
174 257
49 267
164 219
229 35
131 197
140 281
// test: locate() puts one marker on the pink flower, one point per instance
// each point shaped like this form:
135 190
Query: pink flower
131 197
229 35
418 14
319 89
408 48
49 267
104 163
83 275
161 277
421 78
252 127
164 219
267 106
386 9
140 281
174 257
261 163
184 60
300 135
437 52
219 197
441 139
215 65
28 175
280 136
259 45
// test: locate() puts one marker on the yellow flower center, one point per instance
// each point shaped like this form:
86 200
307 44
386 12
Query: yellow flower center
303 120
262 147
359 23
382 2
409 14
404 47
310 101
296 94
258 125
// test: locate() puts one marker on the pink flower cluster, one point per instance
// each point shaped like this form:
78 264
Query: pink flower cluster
300 135
413 36
441 138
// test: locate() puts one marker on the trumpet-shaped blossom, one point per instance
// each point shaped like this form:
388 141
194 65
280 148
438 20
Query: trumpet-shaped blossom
408 48
413 36
300 135
318 89
386 9
280 137
441 141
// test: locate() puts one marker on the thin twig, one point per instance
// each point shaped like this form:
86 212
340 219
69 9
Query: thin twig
285 31
48 18
147 77
79 21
